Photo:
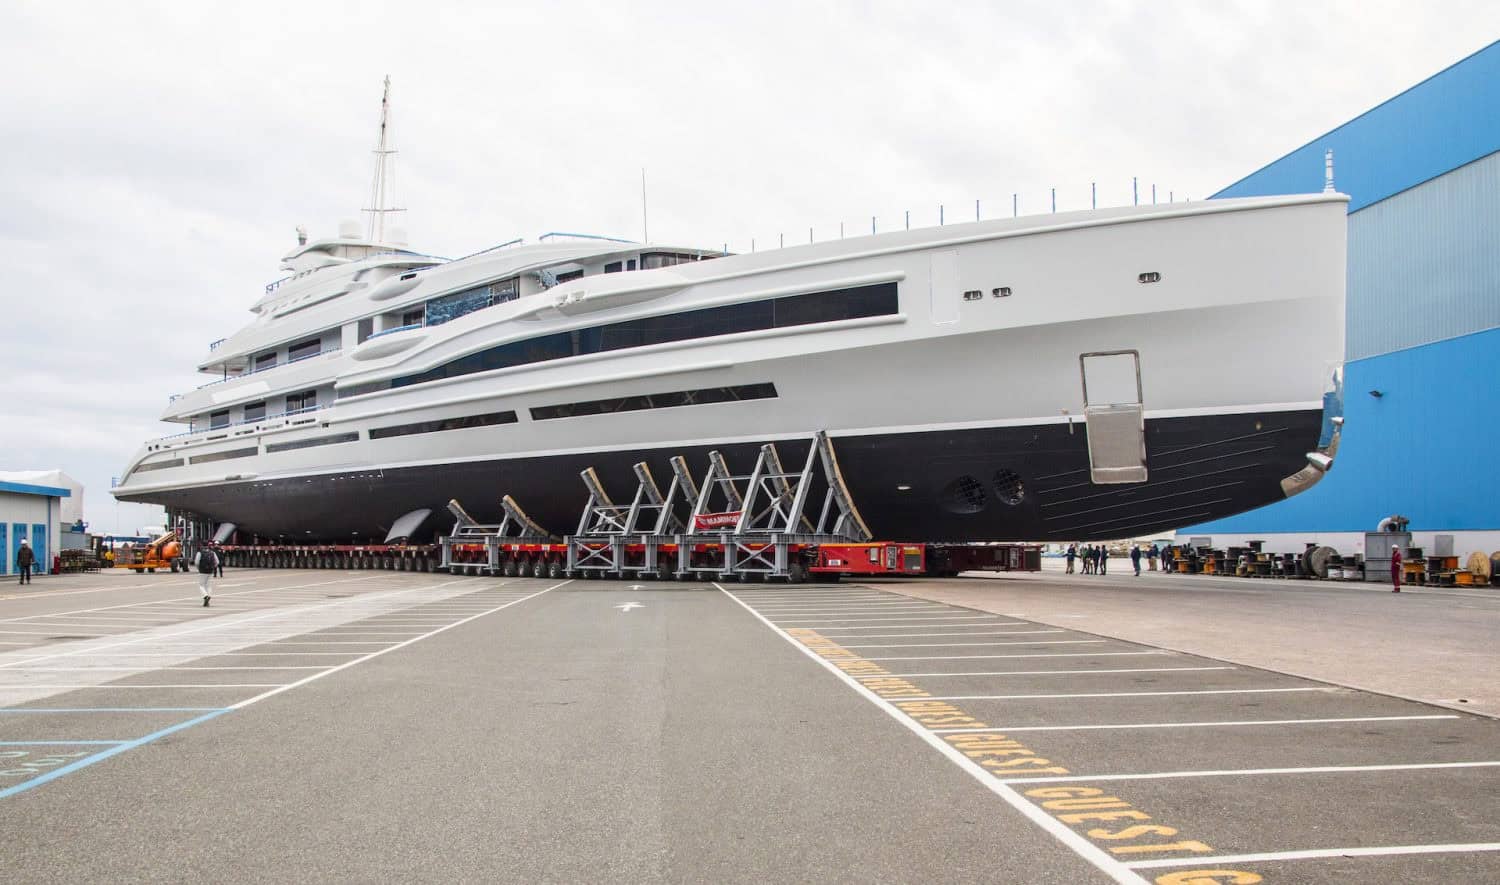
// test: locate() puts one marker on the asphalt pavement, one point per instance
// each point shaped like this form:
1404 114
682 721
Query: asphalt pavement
355 727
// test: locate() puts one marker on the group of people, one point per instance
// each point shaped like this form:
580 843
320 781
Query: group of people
1096 558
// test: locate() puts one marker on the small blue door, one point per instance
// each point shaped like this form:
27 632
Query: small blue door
17 532
39 547
4 548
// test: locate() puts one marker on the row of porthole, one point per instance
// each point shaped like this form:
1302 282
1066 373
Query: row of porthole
966 494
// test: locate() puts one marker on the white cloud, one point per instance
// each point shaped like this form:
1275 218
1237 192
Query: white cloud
159 155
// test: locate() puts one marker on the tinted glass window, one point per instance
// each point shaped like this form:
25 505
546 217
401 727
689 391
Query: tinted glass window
218 419
255 411
793 310
668 400
303 349
460 423
297 401
351 436
223 456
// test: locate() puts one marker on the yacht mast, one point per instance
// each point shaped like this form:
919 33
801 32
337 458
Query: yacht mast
379 190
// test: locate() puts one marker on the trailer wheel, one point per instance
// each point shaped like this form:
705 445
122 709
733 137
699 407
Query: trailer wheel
555 569
151 570
797 572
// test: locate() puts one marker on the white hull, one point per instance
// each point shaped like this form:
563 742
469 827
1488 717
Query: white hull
1247 318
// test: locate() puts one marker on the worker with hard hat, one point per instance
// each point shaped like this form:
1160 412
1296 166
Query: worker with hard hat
25 559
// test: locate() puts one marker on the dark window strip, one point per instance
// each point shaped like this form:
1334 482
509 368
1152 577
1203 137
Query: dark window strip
671 400
158 465
223 456
315 441
771 313
462 423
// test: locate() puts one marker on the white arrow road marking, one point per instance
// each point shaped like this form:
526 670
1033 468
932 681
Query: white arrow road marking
627 606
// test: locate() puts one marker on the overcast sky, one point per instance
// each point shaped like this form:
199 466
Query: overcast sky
158 157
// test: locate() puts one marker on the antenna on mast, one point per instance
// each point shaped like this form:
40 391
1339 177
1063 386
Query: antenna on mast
379 191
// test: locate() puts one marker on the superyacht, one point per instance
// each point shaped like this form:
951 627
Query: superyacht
1069 376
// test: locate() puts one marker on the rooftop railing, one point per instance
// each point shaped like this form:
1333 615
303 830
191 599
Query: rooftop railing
406 328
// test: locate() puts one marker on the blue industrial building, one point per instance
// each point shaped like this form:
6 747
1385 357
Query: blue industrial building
1422 329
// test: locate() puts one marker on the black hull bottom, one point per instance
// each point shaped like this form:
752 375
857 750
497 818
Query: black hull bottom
1011 483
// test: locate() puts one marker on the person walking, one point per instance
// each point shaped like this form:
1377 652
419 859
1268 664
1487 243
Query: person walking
1103 559
1151 555
1088 559
207 563
1135 558
218 557
25 559
1072 552
1395 569
1166 559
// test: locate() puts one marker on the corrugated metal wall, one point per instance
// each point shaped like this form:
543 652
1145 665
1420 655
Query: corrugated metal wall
1423 171
1446 121
1424 265
1425 448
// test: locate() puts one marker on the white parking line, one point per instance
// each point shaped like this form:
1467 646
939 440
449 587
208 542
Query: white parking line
108 686
1252 772
901 618
153 669
878 606
826 630
1054 672
984 644
1064 654
332 632
49 633
1120 694
1228 723
919 635
851 610
1364 851
229 654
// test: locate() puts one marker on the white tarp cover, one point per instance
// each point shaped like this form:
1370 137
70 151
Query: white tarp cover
72 508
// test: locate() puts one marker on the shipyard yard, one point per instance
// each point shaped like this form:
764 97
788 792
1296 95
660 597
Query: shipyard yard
362 726
1008 443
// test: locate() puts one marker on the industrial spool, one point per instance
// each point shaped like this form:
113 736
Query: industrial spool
1479 566
1318 560
1495 563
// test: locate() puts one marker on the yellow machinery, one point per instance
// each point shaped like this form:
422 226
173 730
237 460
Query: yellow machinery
164 552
